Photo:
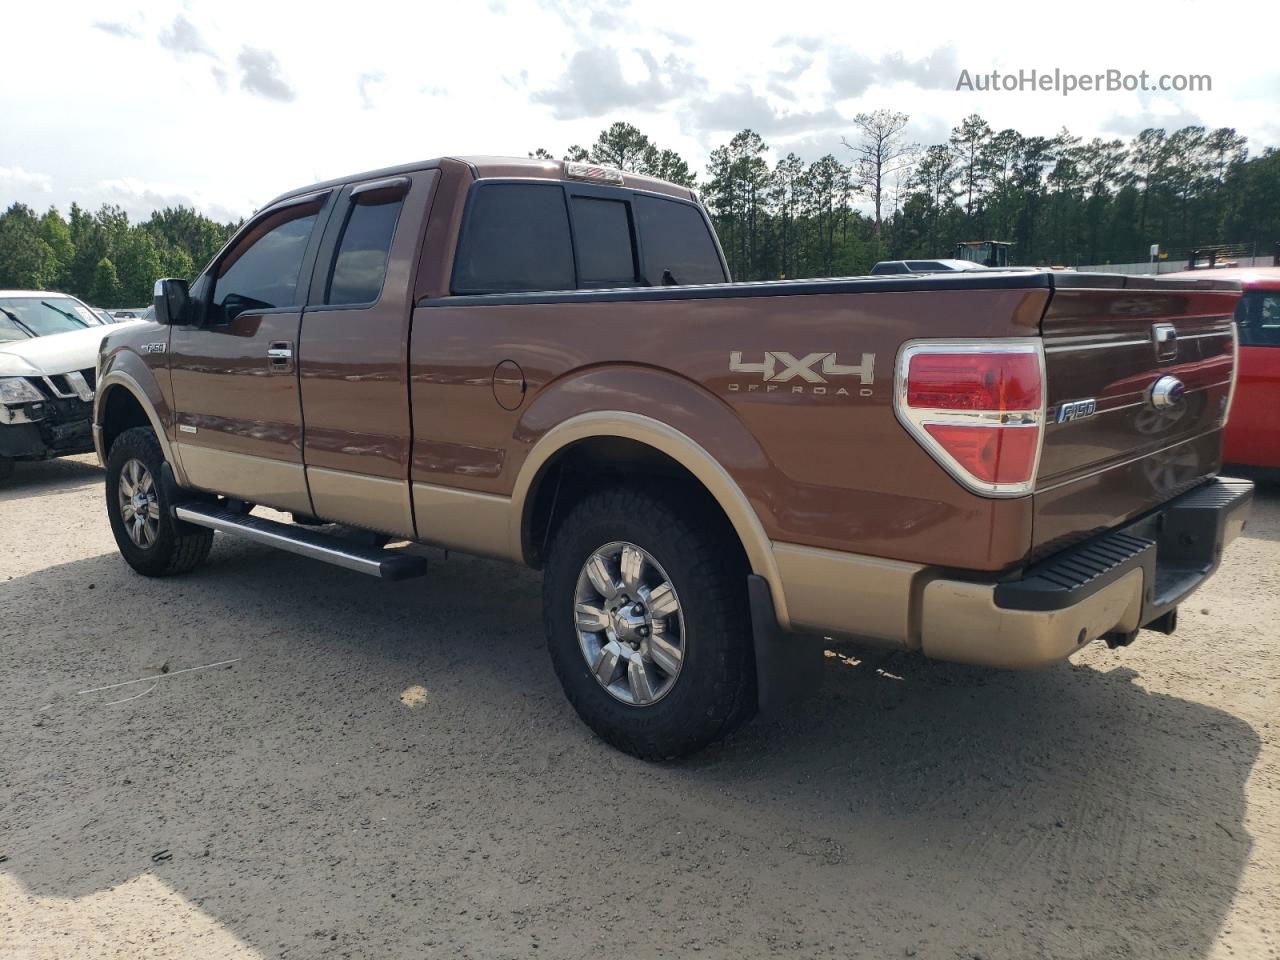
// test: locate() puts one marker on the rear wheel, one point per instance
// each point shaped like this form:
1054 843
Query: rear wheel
647 623
149 538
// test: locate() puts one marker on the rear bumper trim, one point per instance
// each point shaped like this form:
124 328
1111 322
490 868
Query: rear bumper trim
1115 583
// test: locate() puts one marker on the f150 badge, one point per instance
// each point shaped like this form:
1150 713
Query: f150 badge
813 370
1077 410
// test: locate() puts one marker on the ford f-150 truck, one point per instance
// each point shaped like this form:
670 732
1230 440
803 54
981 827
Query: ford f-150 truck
548 363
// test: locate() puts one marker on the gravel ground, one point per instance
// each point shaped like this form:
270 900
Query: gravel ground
390 770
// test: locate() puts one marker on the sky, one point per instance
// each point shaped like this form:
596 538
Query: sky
222 105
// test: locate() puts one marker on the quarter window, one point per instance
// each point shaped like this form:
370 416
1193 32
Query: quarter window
516 238
677 243
361 262
1258 318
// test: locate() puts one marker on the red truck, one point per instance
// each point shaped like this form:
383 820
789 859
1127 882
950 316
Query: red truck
548 363
1252 438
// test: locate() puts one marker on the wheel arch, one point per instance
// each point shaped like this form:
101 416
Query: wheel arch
534 482
121 403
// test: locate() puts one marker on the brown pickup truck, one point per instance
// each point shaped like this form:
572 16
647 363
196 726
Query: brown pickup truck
548 363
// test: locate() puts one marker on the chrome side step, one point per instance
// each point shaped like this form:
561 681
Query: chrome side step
375 562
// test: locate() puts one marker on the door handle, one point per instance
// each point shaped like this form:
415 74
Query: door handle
280 356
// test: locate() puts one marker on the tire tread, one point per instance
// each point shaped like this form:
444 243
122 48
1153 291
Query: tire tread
713 567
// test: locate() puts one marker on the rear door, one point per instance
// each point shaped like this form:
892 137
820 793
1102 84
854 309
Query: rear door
353 353
234 372
1112 449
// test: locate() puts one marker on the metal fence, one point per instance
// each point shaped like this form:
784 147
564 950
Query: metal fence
1168 266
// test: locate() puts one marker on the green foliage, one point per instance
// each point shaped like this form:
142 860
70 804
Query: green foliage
26 259
106 285
1059 200
102 258
138 266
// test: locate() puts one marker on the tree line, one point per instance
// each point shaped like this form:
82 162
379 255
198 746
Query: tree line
1059 200
101 257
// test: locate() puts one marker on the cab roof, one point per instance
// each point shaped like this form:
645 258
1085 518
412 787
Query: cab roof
1266 278
493 167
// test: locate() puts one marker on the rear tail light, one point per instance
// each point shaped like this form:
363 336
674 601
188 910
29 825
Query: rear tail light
977 407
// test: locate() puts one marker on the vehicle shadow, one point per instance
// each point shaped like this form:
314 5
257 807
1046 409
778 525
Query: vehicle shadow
1264 517
390 770
40 477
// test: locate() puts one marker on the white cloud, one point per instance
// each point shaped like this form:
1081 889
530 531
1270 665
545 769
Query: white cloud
600 79
260 74
182 37
139 199
367 84
115 28
12 178
220 101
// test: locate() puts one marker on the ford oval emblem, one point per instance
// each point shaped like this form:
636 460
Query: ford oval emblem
1166 392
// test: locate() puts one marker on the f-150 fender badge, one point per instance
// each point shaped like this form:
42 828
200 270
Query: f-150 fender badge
813 371
1077 410
158 347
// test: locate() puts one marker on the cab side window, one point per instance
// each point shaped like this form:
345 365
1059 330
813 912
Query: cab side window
262 271
516 238
360 266
677 243
1258 317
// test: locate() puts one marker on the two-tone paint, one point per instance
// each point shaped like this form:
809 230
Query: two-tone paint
437 417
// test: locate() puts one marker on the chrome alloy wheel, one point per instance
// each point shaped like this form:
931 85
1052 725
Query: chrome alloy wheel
139 508
630 628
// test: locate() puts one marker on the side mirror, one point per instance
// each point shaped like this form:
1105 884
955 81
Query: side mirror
172 301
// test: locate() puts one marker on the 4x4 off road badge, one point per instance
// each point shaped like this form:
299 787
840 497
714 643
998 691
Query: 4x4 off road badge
812 373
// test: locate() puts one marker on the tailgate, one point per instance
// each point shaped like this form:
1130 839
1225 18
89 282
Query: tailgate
1111 449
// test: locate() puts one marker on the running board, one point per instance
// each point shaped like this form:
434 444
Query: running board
387 564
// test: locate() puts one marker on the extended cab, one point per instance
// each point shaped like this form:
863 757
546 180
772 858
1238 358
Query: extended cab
548 364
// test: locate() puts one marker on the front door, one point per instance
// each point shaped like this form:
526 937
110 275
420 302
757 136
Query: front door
234 370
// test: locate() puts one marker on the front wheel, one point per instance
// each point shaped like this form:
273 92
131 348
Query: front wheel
150 539
647 623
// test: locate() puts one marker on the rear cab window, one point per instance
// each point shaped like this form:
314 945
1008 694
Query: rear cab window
1258 318
541 236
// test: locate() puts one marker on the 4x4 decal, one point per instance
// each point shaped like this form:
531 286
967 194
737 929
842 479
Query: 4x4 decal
778 367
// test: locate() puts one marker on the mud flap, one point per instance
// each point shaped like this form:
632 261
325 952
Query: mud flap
787 667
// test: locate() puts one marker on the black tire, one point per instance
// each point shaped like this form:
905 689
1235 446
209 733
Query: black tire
715 688
177 547
6 468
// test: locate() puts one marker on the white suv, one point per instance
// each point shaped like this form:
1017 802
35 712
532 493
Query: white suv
48 359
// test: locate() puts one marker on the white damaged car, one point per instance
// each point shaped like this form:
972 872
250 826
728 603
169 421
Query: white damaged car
48 366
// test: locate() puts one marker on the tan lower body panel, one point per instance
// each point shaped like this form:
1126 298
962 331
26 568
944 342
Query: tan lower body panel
372 503
831 592
272 483
961 622
464 520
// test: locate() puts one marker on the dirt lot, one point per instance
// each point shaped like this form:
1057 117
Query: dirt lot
389 770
